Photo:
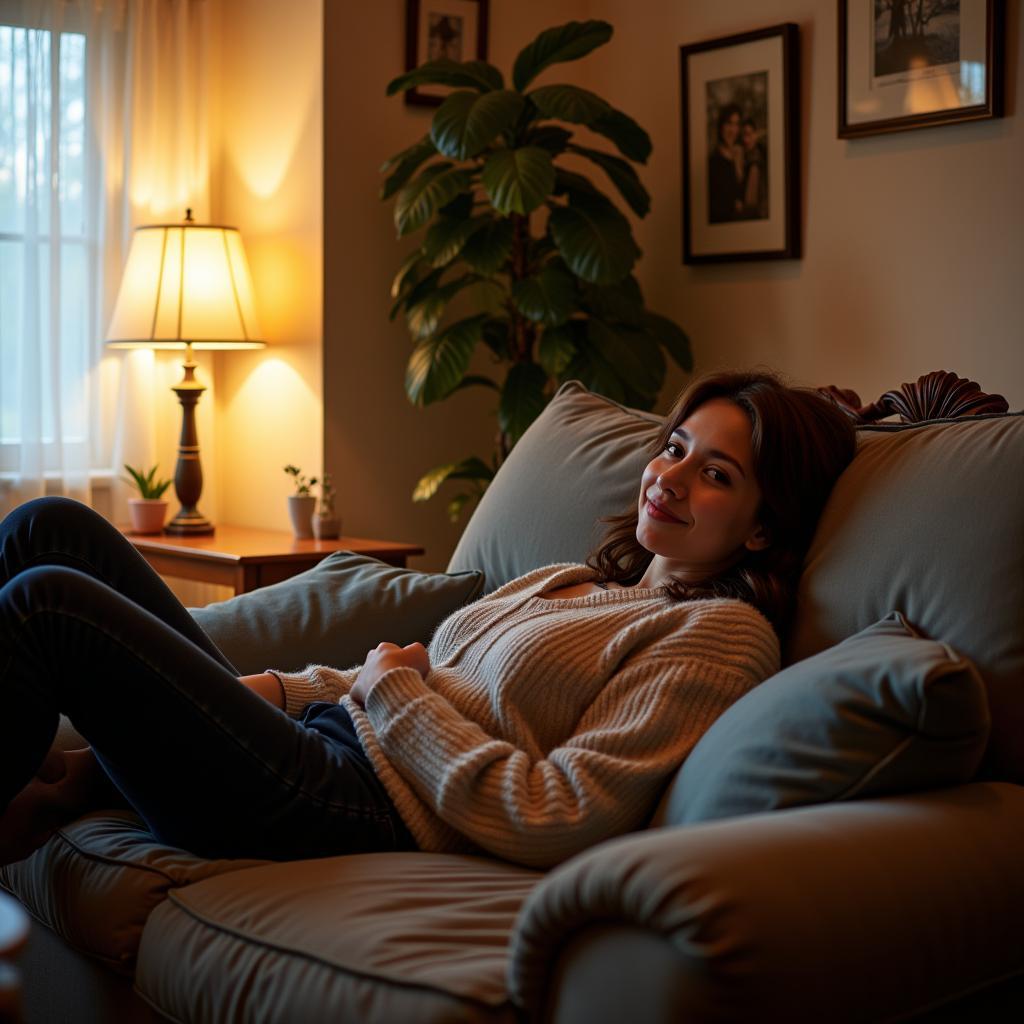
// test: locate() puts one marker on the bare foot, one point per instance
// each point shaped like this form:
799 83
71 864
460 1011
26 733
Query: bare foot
63 789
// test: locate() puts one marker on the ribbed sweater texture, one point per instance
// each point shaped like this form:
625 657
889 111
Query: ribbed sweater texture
547 725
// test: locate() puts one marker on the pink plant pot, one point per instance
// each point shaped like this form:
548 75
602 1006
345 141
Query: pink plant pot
147 514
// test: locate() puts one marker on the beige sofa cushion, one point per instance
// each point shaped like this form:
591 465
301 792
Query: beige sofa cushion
370 938
97 880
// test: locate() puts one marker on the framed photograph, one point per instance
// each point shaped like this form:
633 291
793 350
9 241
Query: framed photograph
916 63
741 162
455 29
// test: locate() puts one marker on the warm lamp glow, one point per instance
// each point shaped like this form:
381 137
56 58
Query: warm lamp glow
186 286
185 283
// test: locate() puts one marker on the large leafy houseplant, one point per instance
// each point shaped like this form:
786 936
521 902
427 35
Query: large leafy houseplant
542 258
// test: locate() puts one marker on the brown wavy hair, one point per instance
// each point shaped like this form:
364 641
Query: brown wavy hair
801 442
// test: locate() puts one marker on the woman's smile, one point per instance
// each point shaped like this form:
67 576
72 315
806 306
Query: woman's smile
660 513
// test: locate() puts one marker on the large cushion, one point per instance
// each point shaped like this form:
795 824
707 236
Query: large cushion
97 880
929 519
370 938
580 459
885 711
334 613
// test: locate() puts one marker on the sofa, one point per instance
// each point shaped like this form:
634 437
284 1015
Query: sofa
844 844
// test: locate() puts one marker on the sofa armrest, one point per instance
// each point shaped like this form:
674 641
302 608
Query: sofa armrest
852 911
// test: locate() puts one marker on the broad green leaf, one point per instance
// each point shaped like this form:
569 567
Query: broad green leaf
424 315
405 164
636 357
555 350
405 279
417 293
458 208
438 363
549 137
548 297
518 180
622 176
458 503
591 369
522 399
472 380
470 74
671 337
621 302
467 469
557 45
489 246
569 103
467 121
594 239
445 239
496 338
418 201
572 184
631 140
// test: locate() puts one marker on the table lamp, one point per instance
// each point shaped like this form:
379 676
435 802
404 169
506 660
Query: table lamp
186 286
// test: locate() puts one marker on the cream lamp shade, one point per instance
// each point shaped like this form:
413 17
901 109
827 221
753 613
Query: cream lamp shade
185 283
186 286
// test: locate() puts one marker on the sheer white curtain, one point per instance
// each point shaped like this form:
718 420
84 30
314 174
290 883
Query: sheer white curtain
103 126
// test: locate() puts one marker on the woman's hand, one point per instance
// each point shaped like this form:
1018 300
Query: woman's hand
267 685
383 658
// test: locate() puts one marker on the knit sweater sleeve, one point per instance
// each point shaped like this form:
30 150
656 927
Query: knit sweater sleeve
313 683
602 781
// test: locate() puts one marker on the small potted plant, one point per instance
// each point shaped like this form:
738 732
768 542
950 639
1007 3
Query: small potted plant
301 504
326 524
148 511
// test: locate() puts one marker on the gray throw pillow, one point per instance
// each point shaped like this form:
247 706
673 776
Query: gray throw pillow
581 459
885 711
334 613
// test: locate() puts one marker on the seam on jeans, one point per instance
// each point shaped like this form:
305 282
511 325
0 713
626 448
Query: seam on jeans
299 954
376 814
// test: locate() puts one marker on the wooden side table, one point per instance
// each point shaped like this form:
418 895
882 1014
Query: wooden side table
13 933
245 559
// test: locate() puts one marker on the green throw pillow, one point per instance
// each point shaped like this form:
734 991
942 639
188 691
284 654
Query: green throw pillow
885 711
334 613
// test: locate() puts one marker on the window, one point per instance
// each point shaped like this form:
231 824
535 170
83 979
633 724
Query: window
46 348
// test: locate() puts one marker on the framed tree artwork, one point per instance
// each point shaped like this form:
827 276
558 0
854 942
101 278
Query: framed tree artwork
740 116
442 30
916 63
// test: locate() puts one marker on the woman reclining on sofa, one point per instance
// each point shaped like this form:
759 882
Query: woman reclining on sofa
543 719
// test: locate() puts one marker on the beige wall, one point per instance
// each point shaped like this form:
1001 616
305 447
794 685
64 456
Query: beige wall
913 243
269 183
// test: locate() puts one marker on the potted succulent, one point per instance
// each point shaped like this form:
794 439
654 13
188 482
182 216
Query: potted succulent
326 524
520 252
301 504
148 511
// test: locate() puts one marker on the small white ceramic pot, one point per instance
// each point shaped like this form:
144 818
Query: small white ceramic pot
301 508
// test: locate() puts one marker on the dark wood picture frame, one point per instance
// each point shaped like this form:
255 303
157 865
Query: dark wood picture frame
758 75
980 28
417 42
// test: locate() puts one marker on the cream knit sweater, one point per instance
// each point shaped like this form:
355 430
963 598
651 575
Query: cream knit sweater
547 725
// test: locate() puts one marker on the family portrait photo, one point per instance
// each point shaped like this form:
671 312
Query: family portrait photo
737 125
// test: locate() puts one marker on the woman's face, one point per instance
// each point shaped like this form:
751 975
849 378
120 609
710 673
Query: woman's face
699 497
749 136
731 129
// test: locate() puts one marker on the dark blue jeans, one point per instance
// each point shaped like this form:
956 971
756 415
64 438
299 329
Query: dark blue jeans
88 629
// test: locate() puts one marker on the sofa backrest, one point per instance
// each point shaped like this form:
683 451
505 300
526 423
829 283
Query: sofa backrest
928 521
